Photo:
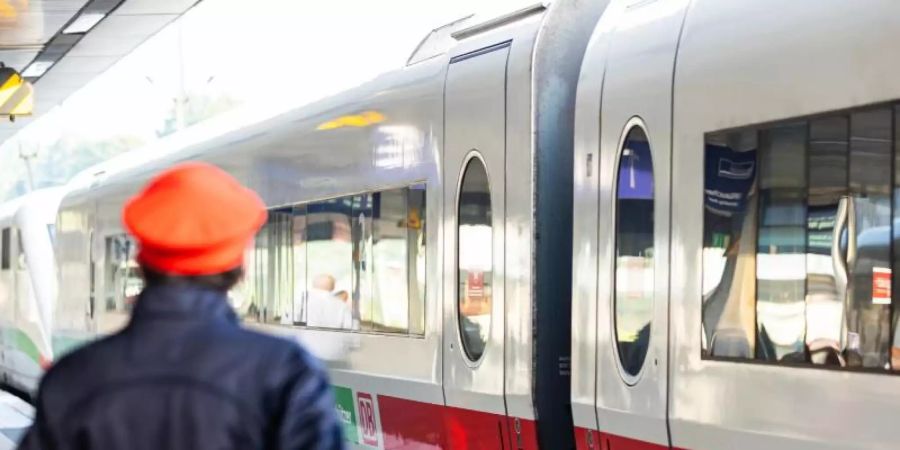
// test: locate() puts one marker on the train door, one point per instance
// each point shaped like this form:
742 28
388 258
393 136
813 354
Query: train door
474 180
633 289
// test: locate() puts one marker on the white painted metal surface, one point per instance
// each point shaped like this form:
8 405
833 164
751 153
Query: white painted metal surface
28 288
489 106
745 63
475 104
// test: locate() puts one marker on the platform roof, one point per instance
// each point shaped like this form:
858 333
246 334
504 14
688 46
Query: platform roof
66 36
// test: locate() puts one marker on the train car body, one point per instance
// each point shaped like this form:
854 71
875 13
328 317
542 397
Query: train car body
428 208
28 287
733 220
722 216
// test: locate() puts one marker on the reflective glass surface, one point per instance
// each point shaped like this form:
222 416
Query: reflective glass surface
348 263
634 251
475 258
825 204
123 279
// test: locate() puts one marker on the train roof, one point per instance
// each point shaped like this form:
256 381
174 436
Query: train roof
41 199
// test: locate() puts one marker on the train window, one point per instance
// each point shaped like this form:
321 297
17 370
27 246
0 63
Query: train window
475 258
391 294
634 281
342 263
781 242
5 249
123 281
274 258
298 241
362 276
330 302
242 296
799 226
415 252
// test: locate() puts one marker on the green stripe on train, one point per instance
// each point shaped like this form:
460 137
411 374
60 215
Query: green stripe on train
24 344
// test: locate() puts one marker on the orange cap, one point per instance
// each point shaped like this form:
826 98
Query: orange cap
194 219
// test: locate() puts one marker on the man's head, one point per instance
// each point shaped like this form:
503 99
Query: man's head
323 282
193 223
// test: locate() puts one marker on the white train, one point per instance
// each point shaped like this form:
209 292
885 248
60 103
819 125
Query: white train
28 287
604 225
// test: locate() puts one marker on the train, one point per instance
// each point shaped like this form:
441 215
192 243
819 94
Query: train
28 287
627 224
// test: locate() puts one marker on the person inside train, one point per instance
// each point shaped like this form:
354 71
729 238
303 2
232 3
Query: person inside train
184 374
326 309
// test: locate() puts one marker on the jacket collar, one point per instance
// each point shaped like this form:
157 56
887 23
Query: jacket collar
183 302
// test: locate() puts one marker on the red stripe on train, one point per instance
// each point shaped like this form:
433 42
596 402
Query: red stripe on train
410 425
594 440
407 424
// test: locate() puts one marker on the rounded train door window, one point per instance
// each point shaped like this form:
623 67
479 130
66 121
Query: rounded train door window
634 280
475 258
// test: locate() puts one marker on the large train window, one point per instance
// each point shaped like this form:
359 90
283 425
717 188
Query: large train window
800 227
634 280
5 249
475 258
354 263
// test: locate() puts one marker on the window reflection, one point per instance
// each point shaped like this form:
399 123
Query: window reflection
634 283
825 226
298 231
349 263
329 255
390 311
826 281
781 244
273 270
123 279
895 289
729 245
868 227
362 231
475 259
415 225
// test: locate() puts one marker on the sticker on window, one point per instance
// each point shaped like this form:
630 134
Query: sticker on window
881 286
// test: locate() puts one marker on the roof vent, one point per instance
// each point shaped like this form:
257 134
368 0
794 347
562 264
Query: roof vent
499 21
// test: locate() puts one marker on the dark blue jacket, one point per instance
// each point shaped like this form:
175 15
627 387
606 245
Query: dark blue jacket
183 375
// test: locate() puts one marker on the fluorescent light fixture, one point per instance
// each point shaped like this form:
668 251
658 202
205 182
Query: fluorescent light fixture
84 22
37 69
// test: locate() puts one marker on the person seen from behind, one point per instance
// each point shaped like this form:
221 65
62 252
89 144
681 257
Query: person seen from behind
326 308
183 374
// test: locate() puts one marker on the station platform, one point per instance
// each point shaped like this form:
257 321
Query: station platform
15 418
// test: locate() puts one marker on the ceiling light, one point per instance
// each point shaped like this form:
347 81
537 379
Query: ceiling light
37 69
84 23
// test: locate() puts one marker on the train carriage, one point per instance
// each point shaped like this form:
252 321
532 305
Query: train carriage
707 228
734 229
433 201
27 287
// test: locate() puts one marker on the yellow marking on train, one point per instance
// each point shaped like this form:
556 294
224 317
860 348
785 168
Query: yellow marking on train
363 119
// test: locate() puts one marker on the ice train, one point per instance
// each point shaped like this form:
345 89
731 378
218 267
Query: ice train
633 224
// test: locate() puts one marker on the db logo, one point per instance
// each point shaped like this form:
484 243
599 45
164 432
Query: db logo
367 424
